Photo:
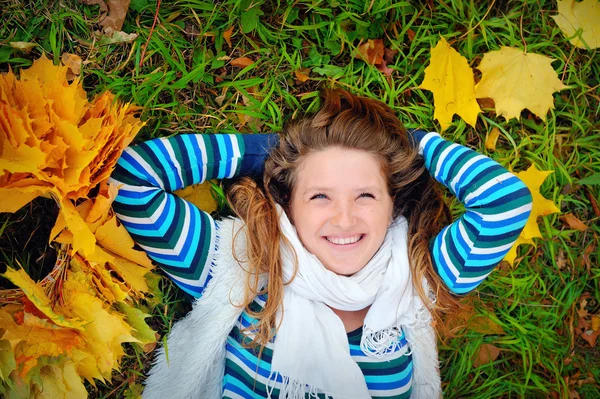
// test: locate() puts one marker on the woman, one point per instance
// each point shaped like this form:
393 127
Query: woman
327 285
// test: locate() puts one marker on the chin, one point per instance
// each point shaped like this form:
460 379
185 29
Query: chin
344 270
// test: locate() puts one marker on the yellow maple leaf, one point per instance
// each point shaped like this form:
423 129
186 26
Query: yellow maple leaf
200 195
104 331
516 80
59 382
580 21
31 338
39 299
451 80
533 179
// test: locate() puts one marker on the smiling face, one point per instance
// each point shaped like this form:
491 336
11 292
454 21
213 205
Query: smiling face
341 207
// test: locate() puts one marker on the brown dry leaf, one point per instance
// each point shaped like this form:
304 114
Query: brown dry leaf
574 223
117 11
585 256
73 62
561 261
302 74
591 336
480 323
371 52
492 139
242 62
487 354
486 103
25 47
227 35
388 58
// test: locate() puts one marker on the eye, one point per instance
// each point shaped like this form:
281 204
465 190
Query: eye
318 196
366 195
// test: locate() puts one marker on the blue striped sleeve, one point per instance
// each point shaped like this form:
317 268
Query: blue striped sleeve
497 206
179 237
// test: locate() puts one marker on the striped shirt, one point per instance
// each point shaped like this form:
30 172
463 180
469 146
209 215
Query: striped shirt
247 374
182 239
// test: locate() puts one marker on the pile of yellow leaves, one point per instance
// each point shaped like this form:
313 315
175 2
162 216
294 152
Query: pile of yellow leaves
71 326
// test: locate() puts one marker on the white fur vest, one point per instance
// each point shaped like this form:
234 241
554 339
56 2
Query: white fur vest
193 362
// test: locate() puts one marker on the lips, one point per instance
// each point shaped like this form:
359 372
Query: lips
348 240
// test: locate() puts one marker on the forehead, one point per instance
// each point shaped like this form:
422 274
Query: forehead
340 168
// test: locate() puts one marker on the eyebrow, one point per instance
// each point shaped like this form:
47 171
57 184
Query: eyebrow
360 189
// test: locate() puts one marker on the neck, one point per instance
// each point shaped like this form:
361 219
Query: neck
352 319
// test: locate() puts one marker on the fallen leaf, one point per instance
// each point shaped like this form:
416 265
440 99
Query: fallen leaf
487 354
39 299
242 62
486 103
136 318
451 80
302 74
7 360
117 37
58 382
467 317
73 62
561 261
117 11
25 47
83 239
573 222
371 52
516 80
227 35
388 58
533 179
104 331
580 21
33 338
492 139
200 195
591 336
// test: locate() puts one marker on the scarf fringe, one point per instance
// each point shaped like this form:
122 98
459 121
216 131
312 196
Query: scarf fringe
292 389
378 344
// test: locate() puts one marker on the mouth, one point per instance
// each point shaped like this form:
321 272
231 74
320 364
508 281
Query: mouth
345 241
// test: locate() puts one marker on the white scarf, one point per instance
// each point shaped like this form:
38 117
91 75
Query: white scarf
311 351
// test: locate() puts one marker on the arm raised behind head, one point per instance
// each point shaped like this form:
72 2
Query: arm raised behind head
179 237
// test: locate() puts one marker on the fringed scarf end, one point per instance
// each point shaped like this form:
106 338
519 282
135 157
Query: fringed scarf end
292 389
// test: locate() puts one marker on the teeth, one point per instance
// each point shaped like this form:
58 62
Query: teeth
344 241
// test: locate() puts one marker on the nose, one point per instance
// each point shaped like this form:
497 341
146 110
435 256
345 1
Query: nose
344 215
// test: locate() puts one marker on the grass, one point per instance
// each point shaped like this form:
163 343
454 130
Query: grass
186 83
